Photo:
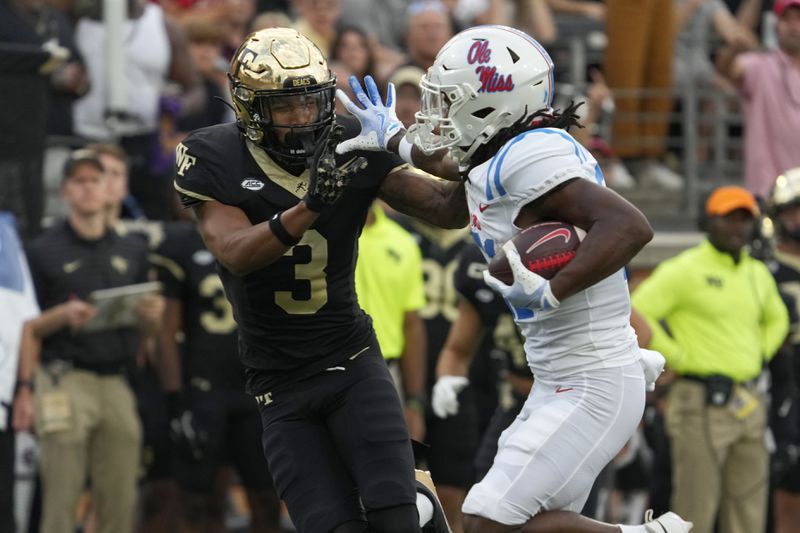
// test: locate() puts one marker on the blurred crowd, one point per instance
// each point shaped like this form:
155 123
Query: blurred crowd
155 411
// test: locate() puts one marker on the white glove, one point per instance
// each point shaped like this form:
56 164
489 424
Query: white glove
379 122
529 290
653 365
445 395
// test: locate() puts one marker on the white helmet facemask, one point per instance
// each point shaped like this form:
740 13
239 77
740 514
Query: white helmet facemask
484 79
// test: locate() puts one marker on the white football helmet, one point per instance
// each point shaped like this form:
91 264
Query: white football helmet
484 79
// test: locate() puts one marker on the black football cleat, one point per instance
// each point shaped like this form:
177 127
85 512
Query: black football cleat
437 524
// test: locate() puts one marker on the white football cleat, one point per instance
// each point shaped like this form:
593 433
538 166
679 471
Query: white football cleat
666 523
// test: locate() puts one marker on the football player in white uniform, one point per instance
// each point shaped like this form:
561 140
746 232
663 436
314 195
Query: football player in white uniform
486 117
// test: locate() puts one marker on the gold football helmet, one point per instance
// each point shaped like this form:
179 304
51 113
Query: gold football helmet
282 92
785 194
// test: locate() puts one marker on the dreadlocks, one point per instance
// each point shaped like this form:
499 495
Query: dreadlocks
542 118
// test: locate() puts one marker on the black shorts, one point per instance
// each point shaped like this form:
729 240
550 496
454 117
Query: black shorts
453 442
156 442
233 424
338 440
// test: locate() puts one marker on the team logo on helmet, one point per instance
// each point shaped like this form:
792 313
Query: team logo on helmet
491 81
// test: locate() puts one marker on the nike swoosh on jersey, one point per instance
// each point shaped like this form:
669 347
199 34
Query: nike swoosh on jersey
72 266
561 232
563 389
483 207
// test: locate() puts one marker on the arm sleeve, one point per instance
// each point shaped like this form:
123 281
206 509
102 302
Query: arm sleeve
655 298
775 321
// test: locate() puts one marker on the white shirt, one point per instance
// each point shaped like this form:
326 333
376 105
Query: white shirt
147 61
588 330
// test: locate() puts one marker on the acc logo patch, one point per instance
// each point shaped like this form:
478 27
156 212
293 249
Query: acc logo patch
252 184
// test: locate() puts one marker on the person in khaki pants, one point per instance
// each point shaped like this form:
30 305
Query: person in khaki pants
85 414
724 319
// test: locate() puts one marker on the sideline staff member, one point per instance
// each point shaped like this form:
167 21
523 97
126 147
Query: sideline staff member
86 416
724 319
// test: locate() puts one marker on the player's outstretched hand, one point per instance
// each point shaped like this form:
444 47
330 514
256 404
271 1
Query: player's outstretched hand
529 290
379 122
445 395
326 181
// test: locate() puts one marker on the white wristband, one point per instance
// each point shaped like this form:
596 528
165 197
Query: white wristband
404 150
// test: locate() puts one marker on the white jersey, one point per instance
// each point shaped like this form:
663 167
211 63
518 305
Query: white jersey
590 329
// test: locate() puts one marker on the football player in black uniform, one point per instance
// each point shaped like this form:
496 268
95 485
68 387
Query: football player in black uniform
784 208
282 214
213 421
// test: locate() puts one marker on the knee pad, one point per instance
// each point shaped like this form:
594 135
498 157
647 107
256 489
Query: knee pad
399 519
351 527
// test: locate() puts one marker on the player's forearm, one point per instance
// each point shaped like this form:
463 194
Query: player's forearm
29 349
243 248
438 202
412 362
169 359
438 163
609 245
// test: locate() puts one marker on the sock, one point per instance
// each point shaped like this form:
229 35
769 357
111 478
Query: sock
424 508
632 529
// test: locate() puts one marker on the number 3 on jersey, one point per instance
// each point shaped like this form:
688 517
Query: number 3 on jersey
315 247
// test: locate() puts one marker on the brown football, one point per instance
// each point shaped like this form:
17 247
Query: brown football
545 248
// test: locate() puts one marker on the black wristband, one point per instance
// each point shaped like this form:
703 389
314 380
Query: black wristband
279 231
24 383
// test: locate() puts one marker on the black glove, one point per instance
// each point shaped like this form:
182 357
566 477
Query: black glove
189 438
784 458
326 181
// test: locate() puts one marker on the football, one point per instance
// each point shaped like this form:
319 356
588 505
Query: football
545 248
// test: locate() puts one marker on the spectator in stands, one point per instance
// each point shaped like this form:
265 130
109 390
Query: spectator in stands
638 67
205 47
536 18
408 94
86 416
594 9
769 82
428 29
383 24
716 315
389 287
156 54
352 49
270 19
316 19
17 304
34 23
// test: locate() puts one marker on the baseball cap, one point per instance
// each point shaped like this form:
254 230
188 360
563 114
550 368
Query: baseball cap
408 74
726 199
782 5
77 157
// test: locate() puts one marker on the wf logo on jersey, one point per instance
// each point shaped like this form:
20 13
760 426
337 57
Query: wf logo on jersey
491 81
183 160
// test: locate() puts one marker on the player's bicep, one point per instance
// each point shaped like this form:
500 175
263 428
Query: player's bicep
579 202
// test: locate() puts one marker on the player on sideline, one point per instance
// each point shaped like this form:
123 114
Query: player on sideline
282 214
486 100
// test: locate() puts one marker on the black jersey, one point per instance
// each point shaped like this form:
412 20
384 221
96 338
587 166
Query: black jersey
187 270
300 314
65 266
786 270
503 341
